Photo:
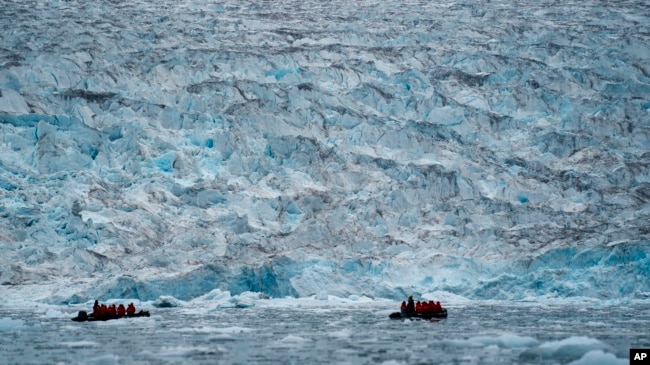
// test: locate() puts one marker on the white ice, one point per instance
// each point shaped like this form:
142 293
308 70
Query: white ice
485 150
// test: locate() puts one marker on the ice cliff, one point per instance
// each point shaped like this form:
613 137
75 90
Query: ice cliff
382 148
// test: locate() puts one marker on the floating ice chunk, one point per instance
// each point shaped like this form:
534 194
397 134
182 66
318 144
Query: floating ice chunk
234 330
515 341
53 313
201 329
245 299
290 341
392 362
80 344
8 324
191 350
108 359
167 301
598 357
344 333
217 295
503 341
569 349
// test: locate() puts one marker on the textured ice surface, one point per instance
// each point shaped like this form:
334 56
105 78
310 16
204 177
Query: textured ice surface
487 150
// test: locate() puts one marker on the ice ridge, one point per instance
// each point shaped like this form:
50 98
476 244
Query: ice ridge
492 150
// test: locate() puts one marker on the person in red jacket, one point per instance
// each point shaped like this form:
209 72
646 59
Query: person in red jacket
103 310
130 309
425 306
410 305
418 307
96 309
121 310
403 308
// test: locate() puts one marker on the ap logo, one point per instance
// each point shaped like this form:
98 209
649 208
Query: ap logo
639 356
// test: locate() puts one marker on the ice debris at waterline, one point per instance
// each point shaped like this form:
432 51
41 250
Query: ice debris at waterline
490 150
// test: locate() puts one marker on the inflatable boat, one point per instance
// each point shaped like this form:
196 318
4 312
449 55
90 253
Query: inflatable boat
83 316
420 315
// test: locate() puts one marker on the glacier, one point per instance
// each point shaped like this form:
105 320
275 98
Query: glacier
488 150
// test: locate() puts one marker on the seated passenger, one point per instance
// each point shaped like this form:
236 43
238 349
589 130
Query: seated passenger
130 309
438 306
418 307
432 306
112 310
103 310
121 310
425 306
403 308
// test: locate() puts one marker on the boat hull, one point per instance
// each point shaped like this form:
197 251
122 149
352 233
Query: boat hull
85 317
426 315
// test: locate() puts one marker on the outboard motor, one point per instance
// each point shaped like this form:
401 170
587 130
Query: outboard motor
81 317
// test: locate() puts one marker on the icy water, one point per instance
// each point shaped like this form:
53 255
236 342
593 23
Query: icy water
473 334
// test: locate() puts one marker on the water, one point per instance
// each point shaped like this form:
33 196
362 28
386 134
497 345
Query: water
363 334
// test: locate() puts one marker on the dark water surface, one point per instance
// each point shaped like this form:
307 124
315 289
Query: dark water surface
473 334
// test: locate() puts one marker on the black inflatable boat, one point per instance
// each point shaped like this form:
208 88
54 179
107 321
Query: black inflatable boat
85 317
420 315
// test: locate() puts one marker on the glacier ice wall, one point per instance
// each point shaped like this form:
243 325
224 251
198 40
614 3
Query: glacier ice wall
492 149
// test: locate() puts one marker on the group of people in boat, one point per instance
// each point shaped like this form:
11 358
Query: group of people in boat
411 307
103 310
